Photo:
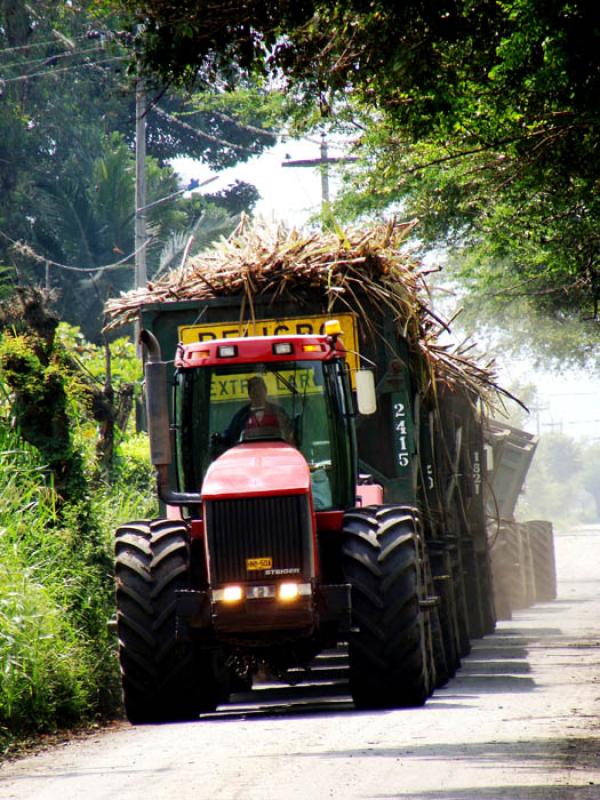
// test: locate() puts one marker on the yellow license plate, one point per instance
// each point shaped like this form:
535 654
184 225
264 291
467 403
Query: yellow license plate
253 564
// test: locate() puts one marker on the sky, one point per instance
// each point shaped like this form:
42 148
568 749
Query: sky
289 194
568 403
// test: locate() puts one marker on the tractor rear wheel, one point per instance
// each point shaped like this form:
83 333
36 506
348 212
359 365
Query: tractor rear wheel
383 555
164 680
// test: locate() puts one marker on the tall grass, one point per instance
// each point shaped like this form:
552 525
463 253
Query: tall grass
43 677
57 656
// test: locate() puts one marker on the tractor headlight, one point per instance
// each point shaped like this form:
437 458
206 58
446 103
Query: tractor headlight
231 594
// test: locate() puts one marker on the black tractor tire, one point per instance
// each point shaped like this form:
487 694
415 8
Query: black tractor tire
541 538
164 680
390 651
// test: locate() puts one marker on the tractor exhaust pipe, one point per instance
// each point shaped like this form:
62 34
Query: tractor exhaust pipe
159 429
157 408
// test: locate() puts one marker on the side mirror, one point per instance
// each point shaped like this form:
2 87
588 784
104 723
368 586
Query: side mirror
365 391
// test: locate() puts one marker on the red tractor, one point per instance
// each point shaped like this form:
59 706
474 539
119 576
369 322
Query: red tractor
272 548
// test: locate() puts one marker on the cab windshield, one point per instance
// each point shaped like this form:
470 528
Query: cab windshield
302 403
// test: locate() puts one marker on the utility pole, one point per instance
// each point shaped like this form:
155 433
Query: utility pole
141 274
324 173
537 408
323 163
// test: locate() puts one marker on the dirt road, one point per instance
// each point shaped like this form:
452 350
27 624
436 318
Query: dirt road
521 722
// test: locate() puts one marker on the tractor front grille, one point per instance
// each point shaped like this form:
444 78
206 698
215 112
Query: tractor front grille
242 530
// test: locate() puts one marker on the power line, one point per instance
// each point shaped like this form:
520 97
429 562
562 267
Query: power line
198 133
569 394
41 44
193 184
27 250
323 163
53 57
61 69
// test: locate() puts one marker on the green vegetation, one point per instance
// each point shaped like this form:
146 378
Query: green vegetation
479 118
67 138
57 656
516 326
563 484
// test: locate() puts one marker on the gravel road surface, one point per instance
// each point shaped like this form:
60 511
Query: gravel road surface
520 722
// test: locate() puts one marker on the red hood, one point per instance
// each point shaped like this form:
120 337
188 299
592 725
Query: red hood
257 468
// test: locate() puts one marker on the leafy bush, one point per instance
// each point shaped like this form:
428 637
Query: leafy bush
57 656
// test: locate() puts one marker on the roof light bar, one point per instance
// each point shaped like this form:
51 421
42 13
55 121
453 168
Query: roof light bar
227 351
283 348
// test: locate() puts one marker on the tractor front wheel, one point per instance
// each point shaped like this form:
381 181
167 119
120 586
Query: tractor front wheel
164 680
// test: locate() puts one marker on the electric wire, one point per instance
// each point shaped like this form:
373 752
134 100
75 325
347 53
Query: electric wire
41 44
51 71
53 57
28 251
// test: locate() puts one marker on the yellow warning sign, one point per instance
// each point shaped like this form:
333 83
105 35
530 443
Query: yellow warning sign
288 326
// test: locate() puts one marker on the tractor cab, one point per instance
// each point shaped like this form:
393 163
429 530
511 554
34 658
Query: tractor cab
245 392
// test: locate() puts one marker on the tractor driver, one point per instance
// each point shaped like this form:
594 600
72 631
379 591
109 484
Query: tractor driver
259 415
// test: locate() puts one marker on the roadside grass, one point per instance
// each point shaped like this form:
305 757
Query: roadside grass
58 662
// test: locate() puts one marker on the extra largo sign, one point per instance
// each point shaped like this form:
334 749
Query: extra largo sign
225 388
289 326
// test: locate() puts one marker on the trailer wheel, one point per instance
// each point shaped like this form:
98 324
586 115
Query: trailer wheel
438 666
164 680
488 607
541 538
444 588
473 588
516 549
460 599
389 653
440 663
501 567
